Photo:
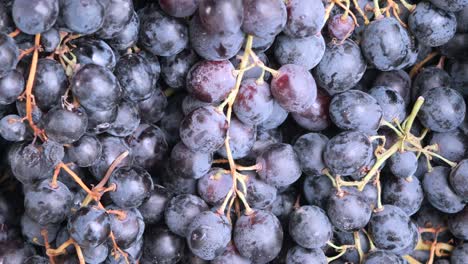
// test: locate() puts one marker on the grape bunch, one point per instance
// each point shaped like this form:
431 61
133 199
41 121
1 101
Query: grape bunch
233 131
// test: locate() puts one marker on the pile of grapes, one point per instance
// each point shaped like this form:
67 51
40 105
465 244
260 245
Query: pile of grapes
233 131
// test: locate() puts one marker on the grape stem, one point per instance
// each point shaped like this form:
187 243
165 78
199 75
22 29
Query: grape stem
347 11
61 249
416 68
45 235
361 12
411 260
407 5
357 245
15 33
79 253
377 12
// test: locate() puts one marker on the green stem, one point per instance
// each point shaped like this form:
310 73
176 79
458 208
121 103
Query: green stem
389 125
412 116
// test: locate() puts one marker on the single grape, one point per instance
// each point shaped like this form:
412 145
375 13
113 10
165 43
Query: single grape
95 254
309 149
316 117
279 165
383 256
9 53
85 152
356 110
458 179
307 52
340 27
133 186
153 208
174 68
128 35
451 145
11 87
89 226
27 163
254 103
64 126
162 246
264 18
442 24
176 184
94 51
188 163
181 211
112 147
276 118
408 195
317 189
82 17
294 88
310 227
398 80
31 231
305 18
450 5
458 224
392 103
50 40
152 108
135 77
348 153
204 129
230 256
211 81
125 229
348 213
258 236
403 164
299 255
241 139
260 194
221 16
127 120
214 186
34 17
208 234
12 128
99 121
341 67
443 110
179 8
50 84
117 14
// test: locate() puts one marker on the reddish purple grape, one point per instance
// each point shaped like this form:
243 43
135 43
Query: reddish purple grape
339 27
316 117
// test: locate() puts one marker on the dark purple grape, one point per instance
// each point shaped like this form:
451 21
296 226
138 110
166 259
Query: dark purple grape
459 254
432 26
260 195
152 108
190 164
408 195
256 72
99 121
37 16
94 51
212 46
241 139
149 146
348 213
89 226
6 21
451 145
299 255
174 68
50 84
458 179
262 44
230 256
391 228
214 186
458 224
135 77
117 14
258 236
307 52
348 153
316 117
294 88
112 147
204 129
211 81
85 152
181 211
455 47
133 186
27 163
341 67
96 88
309 149
173 116
47 204
12 128
126 121
309 227
383 256
64 126
403 164
155 36
305 18
11 87
279 165
264 18
128 35
439 193
443 110
392 103
176 184
276 118
9 53
462 20
450 5
179 8
254 103
190 103
346 238
208 235
153 208
340 27
356 110
31 231
162 246
221 16
317 189
82 17
386 44
50 40
397 80
125 229
96 254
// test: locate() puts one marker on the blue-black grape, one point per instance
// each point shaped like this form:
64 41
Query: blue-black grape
64 126
305 18
398 80
11 86
276 118
37 16
126 121
260 194
294 88
99 121
27 163
451 145
309 148
408 195
279 165
208 234
264 18
348 213
190 164
153 208
221 16
340 27
211 81
317 190
403 164
310 227
254 102
135 77
112 147
95 254
174 68
179 8
50 84
50 40
128 35
432 26
241 139
299 255
258 236
12 128
348 153
307 52
230 256
85 152
94 51
428 78
214 186
458 224
443 110
458 179
450 5
149 146
162 246
133 186
31 231
317 116
392 103
82 17
356 110
125 229
162 35
117 14
459 254
152 108
9 53
181 211
341 67
89 226
204 129
439 193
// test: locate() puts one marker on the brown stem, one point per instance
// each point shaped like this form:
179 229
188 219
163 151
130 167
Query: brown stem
45 235
416 68
15 33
